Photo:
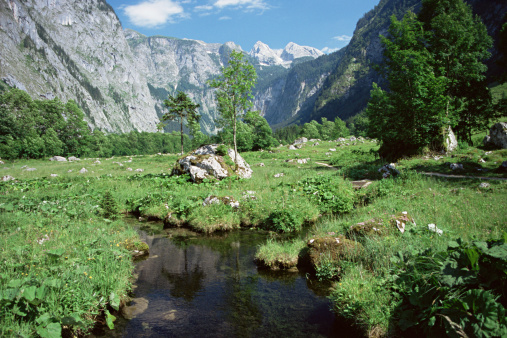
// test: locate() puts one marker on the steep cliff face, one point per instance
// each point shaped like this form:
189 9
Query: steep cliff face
172 64
75 49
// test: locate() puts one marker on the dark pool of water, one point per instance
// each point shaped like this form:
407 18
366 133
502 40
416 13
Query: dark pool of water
209 286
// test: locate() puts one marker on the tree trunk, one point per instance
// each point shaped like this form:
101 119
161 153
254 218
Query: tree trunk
181 130
235 145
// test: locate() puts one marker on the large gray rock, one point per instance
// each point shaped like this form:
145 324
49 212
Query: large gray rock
497 137
450 141
301 140
58 159
204 162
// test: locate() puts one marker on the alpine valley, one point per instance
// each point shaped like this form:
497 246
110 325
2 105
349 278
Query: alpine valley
78 50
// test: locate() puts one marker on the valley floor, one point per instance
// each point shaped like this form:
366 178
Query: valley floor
68 260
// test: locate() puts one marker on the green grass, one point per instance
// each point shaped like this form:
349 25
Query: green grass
309 197
280 255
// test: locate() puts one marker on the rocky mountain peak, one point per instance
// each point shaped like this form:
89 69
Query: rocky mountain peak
282 57
294 51
265 55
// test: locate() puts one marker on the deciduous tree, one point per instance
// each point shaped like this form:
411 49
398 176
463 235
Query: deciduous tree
234 92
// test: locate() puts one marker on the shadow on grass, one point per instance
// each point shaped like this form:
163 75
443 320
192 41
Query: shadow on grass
470 168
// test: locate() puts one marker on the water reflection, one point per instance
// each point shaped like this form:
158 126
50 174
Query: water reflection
208 286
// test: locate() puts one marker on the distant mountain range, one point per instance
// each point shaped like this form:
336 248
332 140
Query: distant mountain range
78 50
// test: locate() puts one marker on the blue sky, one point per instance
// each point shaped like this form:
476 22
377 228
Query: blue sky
323 24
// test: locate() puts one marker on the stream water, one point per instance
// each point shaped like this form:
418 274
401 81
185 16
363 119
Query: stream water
193 285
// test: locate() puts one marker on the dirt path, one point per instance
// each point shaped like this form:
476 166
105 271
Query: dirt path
326 165
436 174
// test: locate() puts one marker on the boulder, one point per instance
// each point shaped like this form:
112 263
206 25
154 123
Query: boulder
291 147
377 226
389 170
7 178
332 247
502 168
2 162
73 158
456 166
450 141
58 159
83 170
30 169
301 140
205 162
497 137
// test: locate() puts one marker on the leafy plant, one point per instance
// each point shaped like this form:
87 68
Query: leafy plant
331 193
460 290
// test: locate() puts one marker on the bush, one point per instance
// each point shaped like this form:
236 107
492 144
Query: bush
109 206
285 221
331 194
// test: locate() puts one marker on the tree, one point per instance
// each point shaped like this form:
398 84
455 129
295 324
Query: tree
411 113
459 43
262 132
181 107
234 92
310 130
340 129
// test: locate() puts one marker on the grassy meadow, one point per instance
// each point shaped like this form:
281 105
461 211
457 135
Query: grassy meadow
66 258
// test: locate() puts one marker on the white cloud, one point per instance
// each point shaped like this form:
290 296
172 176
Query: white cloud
225 18
246 4
328 50
343 38
203 8
152 13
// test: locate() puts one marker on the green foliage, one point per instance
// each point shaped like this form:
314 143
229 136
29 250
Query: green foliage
109 206
327 269
182 108
332 194
222 150
234 91
326 131
434 66
285 220
460 290
411 115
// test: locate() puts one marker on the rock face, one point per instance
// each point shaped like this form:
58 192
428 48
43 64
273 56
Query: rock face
205 162
497 137
74 49
172 64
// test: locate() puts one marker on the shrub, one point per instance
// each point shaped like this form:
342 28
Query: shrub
331 194
222 150
284 220
109 206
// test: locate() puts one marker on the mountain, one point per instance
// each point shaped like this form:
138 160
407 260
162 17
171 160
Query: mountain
172 64
78 50
75 50
346 90
282 57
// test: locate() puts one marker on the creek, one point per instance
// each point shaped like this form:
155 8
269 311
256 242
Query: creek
193 285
